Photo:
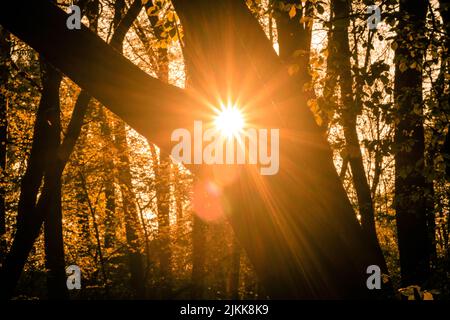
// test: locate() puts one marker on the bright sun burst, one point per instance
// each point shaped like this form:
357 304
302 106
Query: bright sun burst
229 121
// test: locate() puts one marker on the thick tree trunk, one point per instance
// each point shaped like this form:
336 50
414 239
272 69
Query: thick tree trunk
5 56
411 190
304 241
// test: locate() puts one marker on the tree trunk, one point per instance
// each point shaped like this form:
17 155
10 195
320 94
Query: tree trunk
29 229
123 165
162 167
340 65
53 237
411 190
53 228
30 222
294 40
162 190
108 176
294 236
82 217
45 137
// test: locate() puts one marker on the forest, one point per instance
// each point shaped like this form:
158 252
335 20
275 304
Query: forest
224 150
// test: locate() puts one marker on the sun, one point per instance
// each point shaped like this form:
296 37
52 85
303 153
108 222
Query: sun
229 121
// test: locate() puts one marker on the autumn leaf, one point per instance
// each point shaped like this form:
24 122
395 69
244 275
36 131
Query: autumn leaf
150 11
170 16
427 296
292 12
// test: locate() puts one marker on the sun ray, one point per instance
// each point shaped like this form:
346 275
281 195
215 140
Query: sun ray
229 121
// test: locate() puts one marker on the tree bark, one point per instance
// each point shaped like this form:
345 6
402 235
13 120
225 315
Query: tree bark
341 66
411 190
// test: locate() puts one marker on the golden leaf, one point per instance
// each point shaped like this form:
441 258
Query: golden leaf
292 12
170 16
427 296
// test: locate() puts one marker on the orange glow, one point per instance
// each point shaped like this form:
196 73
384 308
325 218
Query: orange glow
229 120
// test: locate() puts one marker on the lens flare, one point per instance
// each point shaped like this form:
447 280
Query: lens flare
229 121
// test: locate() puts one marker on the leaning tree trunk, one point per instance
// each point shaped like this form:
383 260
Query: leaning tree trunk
411 189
